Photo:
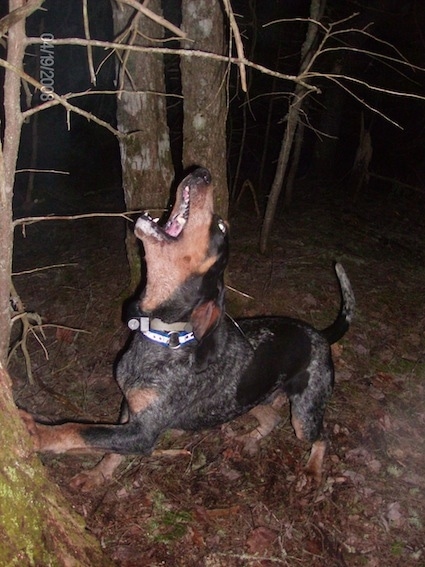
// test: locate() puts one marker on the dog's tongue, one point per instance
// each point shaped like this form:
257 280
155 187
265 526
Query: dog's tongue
175 225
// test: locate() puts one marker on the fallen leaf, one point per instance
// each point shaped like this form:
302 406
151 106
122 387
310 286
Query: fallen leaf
196 537
356 478
374 465
313 546
394 515
229 473
261 539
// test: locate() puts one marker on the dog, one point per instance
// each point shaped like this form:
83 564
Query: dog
189 366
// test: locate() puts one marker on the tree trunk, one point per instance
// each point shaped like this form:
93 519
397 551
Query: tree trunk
141 113
282 165
204 92
8 158
307 50
37 526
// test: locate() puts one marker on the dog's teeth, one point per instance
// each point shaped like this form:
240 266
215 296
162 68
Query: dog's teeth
155 220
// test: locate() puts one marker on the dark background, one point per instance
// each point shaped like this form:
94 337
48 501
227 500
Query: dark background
90 154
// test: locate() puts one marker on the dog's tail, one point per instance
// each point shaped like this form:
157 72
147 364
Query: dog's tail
346 312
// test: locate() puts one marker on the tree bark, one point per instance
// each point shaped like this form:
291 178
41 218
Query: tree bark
147 167
316 11
8 158
204 95
37 526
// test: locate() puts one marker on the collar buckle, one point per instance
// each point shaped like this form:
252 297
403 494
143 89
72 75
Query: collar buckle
174 340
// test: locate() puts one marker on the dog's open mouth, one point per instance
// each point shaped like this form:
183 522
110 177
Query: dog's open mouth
179 216
175 224
173 227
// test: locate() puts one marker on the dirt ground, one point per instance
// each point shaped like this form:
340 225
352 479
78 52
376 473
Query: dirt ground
218 507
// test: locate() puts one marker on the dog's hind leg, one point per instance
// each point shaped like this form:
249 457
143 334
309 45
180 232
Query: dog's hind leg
314 466
307 414
268 417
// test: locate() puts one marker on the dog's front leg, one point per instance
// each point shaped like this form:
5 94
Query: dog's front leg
90 479
132 438
57 438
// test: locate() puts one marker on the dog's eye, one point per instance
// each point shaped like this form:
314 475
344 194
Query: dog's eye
222 226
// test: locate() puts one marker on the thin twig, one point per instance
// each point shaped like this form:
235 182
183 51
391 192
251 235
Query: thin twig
321 24
239 292
31 322
60 99
374 55
155 17
89 47
65 327
32 170
55 102
123 72
402 59
42 268
337 79
238 43
125 215
18 14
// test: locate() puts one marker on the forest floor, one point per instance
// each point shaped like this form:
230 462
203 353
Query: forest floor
218 507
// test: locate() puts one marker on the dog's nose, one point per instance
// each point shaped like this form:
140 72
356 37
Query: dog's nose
202 174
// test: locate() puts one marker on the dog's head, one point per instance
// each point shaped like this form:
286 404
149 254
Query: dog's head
186 258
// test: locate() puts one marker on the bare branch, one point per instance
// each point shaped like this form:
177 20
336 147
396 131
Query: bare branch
303 79
402 58
337 79
32 170
180 52
123 71
57 98
125 215
89 47
155 17
384 59
238 42
27 113
321 24
18 14
42 268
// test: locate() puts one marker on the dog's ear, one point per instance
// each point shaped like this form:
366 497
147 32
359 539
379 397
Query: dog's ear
205 319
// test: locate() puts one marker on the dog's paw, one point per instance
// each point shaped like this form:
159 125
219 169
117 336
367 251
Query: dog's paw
250 444
306 482
97 476
87 481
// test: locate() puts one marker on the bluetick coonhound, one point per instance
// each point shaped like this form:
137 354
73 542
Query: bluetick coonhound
189 366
